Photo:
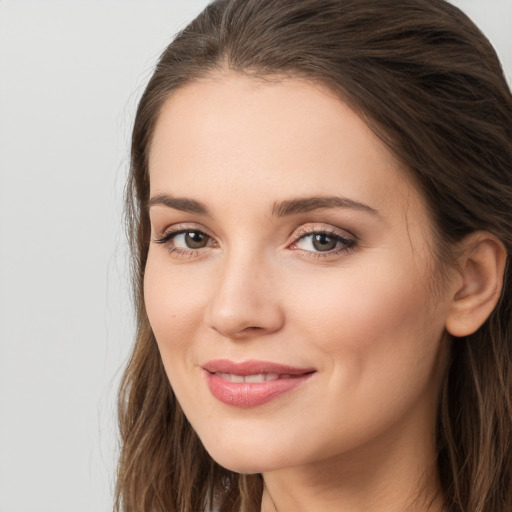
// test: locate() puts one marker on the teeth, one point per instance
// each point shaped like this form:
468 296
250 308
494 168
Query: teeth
255 378
260 377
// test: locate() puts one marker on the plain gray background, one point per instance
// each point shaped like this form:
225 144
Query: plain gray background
71 73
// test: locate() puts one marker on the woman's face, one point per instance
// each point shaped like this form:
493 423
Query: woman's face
289 280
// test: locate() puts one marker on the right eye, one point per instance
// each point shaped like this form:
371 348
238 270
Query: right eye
190 240
185 240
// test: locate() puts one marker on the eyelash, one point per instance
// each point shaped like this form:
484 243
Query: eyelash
348 243
166 238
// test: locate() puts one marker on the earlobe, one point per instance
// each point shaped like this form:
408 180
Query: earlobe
481 267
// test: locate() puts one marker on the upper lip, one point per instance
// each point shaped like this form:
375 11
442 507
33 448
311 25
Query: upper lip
253 367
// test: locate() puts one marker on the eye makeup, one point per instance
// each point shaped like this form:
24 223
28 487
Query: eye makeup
311 241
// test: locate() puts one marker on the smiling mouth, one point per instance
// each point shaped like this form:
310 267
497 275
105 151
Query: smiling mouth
252 383
256 378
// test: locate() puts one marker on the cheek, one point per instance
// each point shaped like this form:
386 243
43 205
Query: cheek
174 300
375 326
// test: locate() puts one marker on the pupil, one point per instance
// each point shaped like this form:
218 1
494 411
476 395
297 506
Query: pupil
324 242
195 240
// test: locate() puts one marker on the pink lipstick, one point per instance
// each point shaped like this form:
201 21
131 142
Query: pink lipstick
252 383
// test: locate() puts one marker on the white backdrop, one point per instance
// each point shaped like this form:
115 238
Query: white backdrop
71 73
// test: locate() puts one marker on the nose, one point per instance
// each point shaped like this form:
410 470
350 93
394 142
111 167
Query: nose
245 303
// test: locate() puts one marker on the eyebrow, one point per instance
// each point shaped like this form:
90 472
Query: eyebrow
280 209
307 204
178 203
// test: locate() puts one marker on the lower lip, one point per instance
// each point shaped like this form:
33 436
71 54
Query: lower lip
251 394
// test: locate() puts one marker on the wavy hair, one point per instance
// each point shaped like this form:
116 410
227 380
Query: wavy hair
429 84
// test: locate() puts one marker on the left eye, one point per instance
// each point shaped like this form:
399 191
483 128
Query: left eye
321 242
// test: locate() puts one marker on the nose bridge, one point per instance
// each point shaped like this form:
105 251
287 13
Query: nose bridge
245 301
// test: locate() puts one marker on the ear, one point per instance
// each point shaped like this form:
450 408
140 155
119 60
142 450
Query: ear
481 266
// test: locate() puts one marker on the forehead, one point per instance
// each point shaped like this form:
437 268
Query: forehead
268 141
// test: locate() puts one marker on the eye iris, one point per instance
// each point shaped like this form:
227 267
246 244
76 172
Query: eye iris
324 242
195 240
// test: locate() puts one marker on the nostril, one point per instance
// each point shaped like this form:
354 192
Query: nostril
234 317
249 331
244 332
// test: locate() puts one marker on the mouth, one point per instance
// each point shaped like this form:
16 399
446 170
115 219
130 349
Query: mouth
252 383
258 377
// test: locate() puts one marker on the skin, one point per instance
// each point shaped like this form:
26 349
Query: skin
359 434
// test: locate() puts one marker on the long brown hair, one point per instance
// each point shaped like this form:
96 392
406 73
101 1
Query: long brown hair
427 81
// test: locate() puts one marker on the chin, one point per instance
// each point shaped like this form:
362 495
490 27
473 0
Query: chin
245 459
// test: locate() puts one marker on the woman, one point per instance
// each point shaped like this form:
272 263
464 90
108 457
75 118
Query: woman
320 207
